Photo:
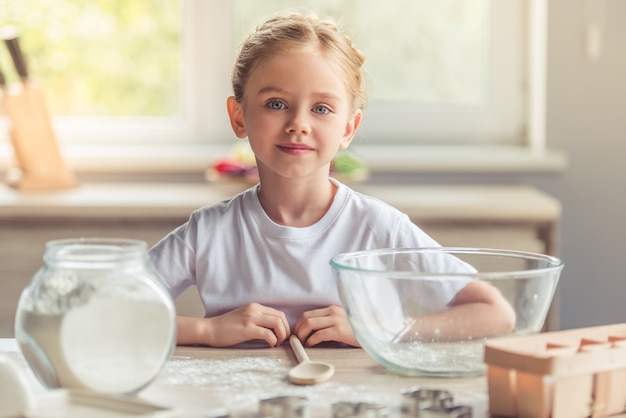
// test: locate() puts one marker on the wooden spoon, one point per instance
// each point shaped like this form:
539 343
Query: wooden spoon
308 372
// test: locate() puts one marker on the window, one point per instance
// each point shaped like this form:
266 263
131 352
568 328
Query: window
100 63
429 64
149 78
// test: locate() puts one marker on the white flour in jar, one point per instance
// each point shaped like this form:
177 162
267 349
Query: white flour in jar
112 338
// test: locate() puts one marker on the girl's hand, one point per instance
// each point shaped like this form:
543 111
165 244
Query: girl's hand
326 324
250 322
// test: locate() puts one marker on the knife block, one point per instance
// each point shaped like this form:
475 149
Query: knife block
561 374
38 158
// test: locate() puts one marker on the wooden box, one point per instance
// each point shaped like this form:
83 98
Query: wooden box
563 374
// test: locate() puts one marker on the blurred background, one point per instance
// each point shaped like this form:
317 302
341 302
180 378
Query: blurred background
506 92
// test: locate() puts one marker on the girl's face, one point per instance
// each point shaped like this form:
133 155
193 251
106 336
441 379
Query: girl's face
296 114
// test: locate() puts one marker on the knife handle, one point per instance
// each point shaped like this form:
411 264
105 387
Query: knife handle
11 39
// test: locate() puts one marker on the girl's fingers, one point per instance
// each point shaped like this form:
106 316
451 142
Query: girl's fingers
250 322
323 335
267 323
275 322
313 320
326 324
305 326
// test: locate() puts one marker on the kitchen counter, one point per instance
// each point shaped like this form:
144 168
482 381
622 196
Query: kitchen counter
432 206
509 203
204 382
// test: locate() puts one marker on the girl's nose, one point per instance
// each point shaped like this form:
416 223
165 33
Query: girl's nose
298 124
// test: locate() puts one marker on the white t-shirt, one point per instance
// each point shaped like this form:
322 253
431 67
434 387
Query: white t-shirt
235 254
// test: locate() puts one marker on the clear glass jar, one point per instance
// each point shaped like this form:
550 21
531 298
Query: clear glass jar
96 317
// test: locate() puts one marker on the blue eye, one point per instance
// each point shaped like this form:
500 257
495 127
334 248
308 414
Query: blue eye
276 105
321 110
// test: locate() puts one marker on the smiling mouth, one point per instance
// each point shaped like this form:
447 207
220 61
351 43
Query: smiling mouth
295 148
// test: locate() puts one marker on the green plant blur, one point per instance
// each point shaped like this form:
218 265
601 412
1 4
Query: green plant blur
100 57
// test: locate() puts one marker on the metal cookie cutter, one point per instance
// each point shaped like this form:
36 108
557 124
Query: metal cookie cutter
459 411
284 407
413 402
433 403
359 410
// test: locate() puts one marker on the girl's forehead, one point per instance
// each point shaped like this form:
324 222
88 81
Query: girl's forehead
299 73
297 63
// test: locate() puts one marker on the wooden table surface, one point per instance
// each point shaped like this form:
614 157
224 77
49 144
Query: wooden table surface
207 382
204 381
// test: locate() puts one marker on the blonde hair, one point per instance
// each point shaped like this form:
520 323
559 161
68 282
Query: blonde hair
288 31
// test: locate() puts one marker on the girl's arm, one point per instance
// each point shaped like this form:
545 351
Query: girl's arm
478 310
250 322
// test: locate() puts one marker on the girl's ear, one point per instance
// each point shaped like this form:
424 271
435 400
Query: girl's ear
351 128
235 113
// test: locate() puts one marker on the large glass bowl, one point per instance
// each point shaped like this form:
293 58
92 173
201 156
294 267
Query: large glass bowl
428 311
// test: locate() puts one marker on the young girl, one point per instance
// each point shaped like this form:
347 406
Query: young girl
260 260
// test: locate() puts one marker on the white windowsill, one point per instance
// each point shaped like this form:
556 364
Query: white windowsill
194 158
462 159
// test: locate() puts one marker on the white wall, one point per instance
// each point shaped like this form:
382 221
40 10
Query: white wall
586 118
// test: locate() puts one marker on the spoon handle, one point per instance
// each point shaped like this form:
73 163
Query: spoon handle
298 349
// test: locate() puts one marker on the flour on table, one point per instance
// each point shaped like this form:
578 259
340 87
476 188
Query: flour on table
245 380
